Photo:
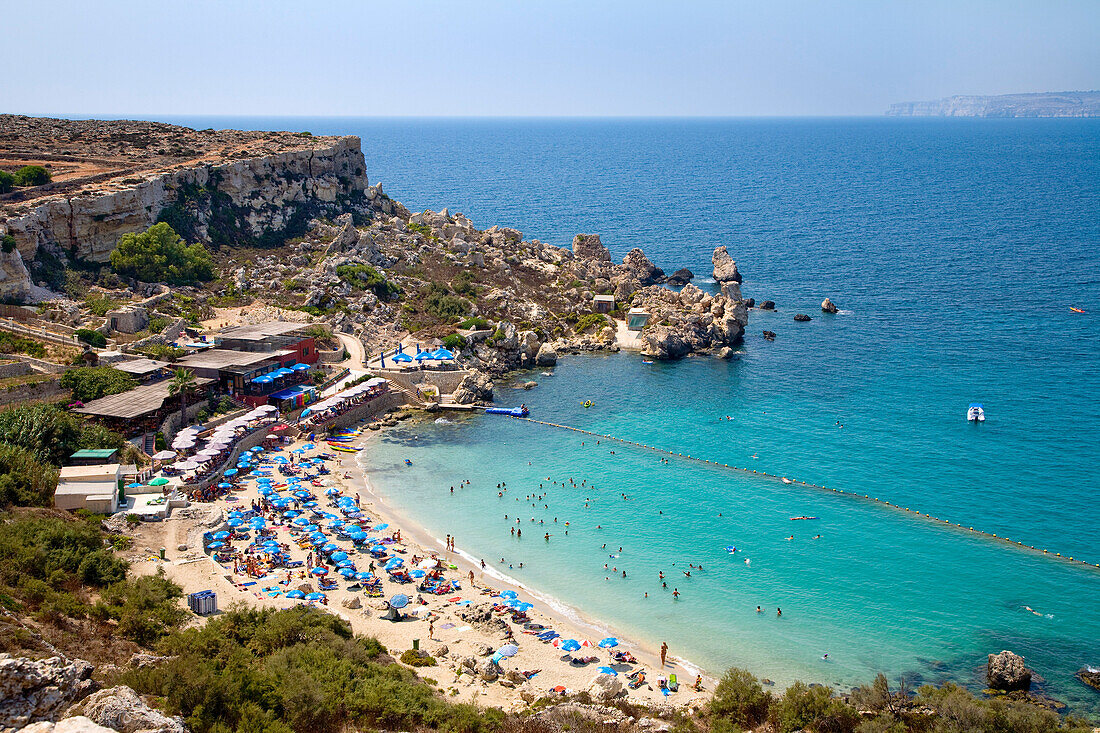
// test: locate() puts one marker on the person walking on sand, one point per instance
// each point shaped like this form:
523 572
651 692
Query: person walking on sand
664 652
431 627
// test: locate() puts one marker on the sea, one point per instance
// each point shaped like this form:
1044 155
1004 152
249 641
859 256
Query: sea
955 249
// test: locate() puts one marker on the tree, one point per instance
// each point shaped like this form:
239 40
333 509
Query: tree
23 480
92 338
91 383
159 255
32 175
51 434
740 698
7 182
182 381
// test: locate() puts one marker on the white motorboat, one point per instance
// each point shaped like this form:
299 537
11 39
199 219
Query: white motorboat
975 413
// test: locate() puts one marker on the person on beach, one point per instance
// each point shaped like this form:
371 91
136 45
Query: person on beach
664 652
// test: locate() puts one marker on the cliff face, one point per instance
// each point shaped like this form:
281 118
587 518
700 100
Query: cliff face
238 195
1047 104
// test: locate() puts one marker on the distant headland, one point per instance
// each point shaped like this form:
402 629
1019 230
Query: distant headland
1039 104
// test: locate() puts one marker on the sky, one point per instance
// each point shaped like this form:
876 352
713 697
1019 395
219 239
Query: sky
534 57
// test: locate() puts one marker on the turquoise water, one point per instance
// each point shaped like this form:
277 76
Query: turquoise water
954 247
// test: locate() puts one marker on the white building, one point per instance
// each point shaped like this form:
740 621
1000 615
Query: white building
95 488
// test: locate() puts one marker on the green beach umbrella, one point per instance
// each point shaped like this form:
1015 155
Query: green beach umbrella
158 481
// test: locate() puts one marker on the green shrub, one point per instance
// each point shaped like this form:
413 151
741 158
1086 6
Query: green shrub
32 175
93 338
474 324
12 344
454 342
163 352
814 708
417 658
444 306
7 182
100 304
39 547
7 242
589 321
740 699
51 434
23 480
464 283
365 277
159 255
144 607
91 383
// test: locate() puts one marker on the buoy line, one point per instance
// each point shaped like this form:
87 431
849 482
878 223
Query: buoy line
850 494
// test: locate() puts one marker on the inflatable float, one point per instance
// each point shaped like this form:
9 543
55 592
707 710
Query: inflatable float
511 411
586 404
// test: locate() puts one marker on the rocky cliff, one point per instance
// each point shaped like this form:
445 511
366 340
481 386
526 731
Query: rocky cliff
236 189
1045 104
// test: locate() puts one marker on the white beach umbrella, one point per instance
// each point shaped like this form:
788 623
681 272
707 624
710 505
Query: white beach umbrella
209 452
187 465
164 455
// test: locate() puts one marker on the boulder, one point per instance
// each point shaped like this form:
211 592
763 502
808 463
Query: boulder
725 269
802 317
641 268
528 345
681 277
351 602
474 387
547 356
141 660
665 343
1090 677
828 307
76 724
121 708
725 353
767 305
750 302
1007 671
769 335
605 688
589 247
731 290
40 689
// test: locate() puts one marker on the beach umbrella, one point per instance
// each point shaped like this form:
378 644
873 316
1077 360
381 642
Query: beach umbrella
399 601
281 460
417 573
295 594
257 523
338 556
380 527
221 535
164 455
608 670
508 650
363 576
292 514
134 485
158 481
523 606
567 645
510 594
329 547
235 523
607 643
230 472
301 521
266 491
224 485
318 541
347 573
215 545
315 596
321 571
309 504
332 491
393 563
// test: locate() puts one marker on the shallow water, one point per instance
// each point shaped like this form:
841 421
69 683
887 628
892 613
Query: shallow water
955 248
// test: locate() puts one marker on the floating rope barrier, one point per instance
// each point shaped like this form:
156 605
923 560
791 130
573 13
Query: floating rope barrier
850 494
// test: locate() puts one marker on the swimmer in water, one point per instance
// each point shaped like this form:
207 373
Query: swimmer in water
675 593
759 609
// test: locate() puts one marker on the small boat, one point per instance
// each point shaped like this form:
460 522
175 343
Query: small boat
795 519
408 462
975 413
1076 310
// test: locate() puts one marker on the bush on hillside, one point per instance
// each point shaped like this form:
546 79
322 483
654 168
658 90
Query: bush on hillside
7 242
7 182
92 338
365 277
51 434
159 255
454 342
812 708
740 699
32 175
91 383
444 306
12 344
23 480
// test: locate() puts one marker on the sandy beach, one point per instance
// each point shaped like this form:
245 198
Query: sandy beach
455 640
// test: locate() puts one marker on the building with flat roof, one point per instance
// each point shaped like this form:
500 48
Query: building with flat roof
250 376
603 303
270 337
142 409
144 370
95 488
94 457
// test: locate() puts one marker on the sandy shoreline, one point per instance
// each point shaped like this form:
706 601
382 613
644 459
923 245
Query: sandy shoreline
196 571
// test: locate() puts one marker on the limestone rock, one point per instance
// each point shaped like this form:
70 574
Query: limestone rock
528 345
1007 671
641 268
828 307
121 708
802 317
769 335
664 343
351 602
141 660
40 689
1090 677
589 247
681 277
76 724
605 688
725 269
767 305
546 356
475 387
725 353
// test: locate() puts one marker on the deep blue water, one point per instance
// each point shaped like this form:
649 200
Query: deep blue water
955 249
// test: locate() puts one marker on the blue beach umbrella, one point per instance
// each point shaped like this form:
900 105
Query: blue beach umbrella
570 645
300 521
348 573
296 594
509 594
399 601
393 563
292 514
523 606
221 535
318 541
230 472
609 642
134 486
319 571
216 545
234 523
417 573
363 576
608 670
332 491
508 650
330 547
315 596
380 527
338 556
309 504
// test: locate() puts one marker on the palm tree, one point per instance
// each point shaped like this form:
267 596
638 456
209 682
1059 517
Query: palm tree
182 381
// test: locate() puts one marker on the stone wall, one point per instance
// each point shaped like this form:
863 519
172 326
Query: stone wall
14 369
47 390
377 406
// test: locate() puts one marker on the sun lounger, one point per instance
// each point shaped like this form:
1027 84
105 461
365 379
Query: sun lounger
673 684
